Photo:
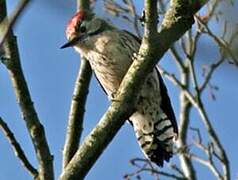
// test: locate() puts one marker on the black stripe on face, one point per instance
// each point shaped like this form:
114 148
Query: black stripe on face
99 30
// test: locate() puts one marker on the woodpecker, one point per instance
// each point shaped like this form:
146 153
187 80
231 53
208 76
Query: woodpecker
110 52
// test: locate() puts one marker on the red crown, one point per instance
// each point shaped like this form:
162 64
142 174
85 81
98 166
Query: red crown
73 22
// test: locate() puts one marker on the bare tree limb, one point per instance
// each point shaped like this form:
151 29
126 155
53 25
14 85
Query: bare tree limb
155 172
197 103
116 9
185 108
177 169
210 72
17 149
201 109
147 167
7 23
75 122
178 59
209 164
76 115
34 127
214 138
221 42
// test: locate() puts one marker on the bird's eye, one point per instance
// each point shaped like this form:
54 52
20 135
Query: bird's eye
82 29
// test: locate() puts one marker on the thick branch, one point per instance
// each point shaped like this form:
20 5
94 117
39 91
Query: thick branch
17 149
35 128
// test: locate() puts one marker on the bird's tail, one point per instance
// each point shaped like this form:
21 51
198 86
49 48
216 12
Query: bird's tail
156 138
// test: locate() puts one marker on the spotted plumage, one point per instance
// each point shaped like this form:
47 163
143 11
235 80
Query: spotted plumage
110 53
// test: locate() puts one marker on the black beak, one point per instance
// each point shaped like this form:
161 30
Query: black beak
70 43
74 41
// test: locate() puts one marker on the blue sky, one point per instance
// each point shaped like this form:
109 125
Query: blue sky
51 72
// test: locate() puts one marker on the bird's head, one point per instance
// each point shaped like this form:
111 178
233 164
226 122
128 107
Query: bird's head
82 26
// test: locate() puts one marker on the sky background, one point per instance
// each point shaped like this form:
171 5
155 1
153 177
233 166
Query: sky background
51 73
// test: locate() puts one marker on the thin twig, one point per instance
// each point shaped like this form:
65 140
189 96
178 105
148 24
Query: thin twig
177 169
203 114
221 42
116 9
214 138
134 15
7 24
17 149
178 59
146 167
209 163
157 173
198 134
197 103
209 74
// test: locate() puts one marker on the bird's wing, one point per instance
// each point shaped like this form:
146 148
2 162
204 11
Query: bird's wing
134 36
137 39
165 104
100 84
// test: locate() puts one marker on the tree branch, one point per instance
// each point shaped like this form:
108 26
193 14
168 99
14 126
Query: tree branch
126 8
209 163
148 167
76 115
17 149
214 138
184 120
7 23
197 103
176 22
220 42
177 58
34 127
210 72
